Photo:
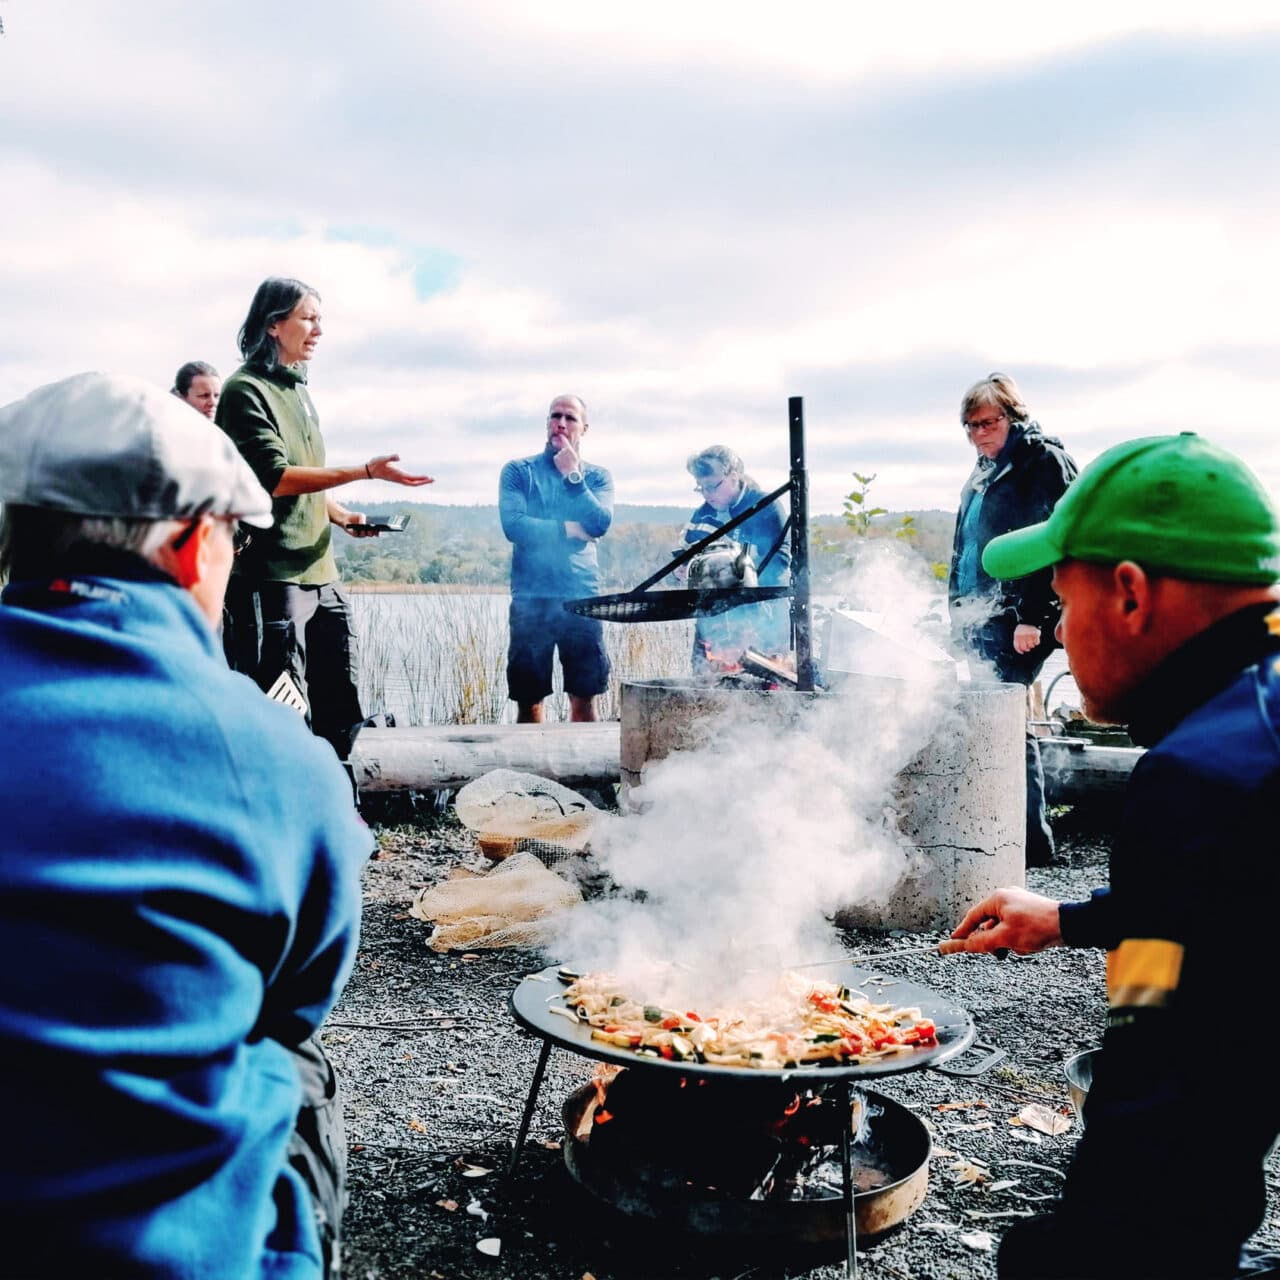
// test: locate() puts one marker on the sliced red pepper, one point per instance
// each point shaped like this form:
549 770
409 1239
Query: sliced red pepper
693 1017
667 1051
670 1024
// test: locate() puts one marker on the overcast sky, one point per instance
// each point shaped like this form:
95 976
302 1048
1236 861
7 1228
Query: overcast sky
685 211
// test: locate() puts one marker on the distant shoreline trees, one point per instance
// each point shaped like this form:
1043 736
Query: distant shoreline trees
464 546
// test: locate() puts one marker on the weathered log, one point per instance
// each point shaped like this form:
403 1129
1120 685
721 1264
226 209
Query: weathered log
443 757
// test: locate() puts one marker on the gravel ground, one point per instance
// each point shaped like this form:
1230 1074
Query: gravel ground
436 1072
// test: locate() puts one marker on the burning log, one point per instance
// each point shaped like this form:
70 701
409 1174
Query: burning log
737 1140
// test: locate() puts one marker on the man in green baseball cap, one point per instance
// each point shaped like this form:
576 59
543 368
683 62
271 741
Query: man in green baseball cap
1166 558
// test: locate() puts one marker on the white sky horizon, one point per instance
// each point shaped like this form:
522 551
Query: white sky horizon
685 214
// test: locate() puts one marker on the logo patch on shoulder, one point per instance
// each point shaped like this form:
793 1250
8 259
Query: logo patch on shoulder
86 590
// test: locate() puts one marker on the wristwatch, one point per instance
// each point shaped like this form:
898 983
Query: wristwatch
574 476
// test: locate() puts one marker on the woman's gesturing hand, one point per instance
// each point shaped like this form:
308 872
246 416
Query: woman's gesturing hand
384 468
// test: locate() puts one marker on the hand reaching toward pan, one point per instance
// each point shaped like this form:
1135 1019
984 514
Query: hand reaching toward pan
1009 919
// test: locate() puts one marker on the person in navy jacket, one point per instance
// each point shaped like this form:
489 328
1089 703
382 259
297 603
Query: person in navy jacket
1166 558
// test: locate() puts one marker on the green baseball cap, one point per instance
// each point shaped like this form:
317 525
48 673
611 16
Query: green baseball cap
1173 504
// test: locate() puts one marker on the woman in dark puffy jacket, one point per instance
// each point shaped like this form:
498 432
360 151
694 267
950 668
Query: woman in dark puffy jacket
1007 626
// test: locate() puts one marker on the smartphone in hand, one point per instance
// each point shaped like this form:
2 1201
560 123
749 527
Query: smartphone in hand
382 524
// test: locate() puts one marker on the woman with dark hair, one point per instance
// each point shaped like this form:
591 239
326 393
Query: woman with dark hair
200 385
1008 626
726 491
288 614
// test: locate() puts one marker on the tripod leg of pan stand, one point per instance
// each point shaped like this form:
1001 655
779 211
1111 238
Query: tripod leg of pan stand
846 1168
525 1120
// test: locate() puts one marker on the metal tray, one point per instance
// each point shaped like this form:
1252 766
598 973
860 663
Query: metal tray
670 606
532 1000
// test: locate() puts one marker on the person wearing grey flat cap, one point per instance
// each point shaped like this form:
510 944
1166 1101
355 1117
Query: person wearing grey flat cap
179 867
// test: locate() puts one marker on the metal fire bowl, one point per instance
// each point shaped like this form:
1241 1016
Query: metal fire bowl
901 1137
532 1000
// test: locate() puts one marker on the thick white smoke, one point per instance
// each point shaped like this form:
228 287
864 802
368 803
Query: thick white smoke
747 845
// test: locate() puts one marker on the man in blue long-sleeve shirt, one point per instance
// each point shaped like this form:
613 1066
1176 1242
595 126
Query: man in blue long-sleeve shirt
554 508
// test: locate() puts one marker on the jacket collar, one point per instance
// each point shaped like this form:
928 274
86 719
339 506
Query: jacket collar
87 560
286 375
1201 669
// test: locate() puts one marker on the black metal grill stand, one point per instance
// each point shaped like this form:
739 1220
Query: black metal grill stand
846 1153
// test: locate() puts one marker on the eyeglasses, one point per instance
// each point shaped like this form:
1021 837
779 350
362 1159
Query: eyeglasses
983 424
708 486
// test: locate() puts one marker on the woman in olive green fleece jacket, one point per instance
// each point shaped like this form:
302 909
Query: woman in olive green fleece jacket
286 611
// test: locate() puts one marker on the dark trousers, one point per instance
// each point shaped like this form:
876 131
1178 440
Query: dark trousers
1053 1247
307 632
318 1147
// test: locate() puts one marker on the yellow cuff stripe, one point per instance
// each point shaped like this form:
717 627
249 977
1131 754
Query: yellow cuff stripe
1143 971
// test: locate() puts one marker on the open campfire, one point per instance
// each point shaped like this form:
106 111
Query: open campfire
729 1139
745 1162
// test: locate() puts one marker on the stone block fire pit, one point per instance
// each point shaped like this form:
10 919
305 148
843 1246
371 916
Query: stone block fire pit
960 804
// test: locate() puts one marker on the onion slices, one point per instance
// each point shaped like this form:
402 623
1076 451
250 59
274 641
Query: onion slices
803 1023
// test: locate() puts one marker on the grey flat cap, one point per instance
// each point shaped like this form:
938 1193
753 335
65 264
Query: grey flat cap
103 444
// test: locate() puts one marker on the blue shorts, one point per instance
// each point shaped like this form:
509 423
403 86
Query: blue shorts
538 627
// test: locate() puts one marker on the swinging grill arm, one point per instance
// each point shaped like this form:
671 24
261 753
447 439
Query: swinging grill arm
689 552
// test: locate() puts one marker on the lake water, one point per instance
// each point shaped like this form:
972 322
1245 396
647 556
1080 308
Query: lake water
440 658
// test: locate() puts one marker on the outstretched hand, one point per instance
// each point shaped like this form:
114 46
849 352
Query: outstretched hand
384 468
1009 920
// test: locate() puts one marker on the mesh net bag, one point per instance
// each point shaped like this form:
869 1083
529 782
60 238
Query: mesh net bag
520 812
512 905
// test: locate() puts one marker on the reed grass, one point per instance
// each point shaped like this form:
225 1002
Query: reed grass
436 658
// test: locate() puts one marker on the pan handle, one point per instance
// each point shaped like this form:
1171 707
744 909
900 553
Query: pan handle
992 1055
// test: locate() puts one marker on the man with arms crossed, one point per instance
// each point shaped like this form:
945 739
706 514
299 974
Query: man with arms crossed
1166 556
554 507
179 868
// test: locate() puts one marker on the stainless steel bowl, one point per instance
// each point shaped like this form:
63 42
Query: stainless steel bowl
1079 1073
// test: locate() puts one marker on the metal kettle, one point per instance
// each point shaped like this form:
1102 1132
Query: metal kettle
726 564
